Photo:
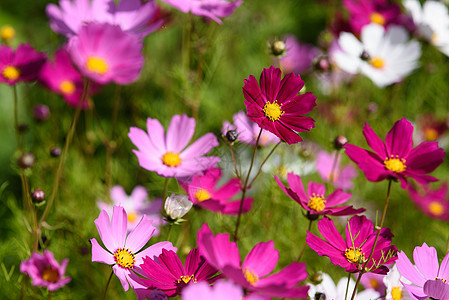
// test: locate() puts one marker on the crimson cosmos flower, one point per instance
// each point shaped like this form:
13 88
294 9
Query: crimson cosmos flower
276 106
396 158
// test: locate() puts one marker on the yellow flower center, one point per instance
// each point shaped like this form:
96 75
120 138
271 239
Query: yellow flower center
436 208
186 279
316 202
250 276
67 87
97 65
395 164
132 216
124 258
355 255
50 275
430 134
377 62
374 283
377 18
434 39
171 159
202 195
11 73
7 32
396 293
273 111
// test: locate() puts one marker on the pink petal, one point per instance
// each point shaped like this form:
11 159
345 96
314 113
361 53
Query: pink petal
330 234
121 274
156 135
425 158
290 86
200 147
119 225
140 235
399 140
261 259
154 251
408 270
270 80
316 189
374 142
179 133
253 94
104 229
426 260
101 255
118 194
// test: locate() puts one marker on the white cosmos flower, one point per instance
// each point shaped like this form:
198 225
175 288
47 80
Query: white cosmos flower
388 56
395 289
432 22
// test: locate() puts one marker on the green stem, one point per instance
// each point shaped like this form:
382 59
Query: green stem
234 161
379 228
107 285
68 141
31 209
169 232
16 119
262 164
305 242
347 286
165 191
244 188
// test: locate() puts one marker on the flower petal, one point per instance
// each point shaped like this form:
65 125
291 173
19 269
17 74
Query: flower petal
399 140
140 235
261 259
179 133
101 255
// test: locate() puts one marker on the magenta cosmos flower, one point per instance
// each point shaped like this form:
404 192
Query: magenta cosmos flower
221 290
396 158
276 106
253 273
131 15
315 201
248 131
298 56
166 153
45 271
167 273
63 78
213 9
202 192
341 177
433 202
427 277
123 251
136 206
354 252
23 64
105 54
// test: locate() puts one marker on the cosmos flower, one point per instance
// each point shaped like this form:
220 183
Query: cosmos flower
23 64
432 202
63 78
353 252
340 177
253 273
221 290
45 271
315 201
202 192
124 250
166 153
248 131
298 57
276 106
396 158
432 22
374 281
131 15
428 279
393 285
383 55
338 292
213 9
105 54
167 273
135 205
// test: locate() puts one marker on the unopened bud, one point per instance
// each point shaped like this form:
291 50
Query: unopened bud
55 152
317 278
38 196
277 48
231 135
322 64
176 206
364 55
320 296
7 33
340 141
26 160
41 112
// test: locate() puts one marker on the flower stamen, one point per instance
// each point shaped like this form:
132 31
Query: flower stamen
377 18
395 164
124 258
11 73
250 276
202 195
171 159
186 279
49 274
273 111
377 62
97 65
355 255
67 87
316 202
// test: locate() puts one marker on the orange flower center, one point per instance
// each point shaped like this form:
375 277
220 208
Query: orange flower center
7 32
377 18
377 62
273 111
202 195
67 87
436 208
132 216
50 275
171 159
11 73
250 276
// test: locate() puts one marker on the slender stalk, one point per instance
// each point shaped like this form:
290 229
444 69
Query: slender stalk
169 232
280 65
165 191
244 188
262 164
16 119
305 242
334 167
347 286
447 245
234 161
68 141
31 209
107 285
379 228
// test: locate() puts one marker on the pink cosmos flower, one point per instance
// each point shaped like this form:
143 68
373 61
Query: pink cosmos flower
61 77
23 64
315 201
432 202
45 271
202 192
298 57
221 290
167 273
131 15
213 9
166 153
105 53
276 106
136 206
248 131
341 177
374 281
253 273
354 252
123 251
363 12
396 158
427 277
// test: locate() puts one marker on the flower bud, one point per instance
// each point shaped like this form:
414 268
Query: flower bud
41 112
55 152
320 296
231 135
322 64
7 33
317 278
38 196
277 48
176 206
340 141
364 56
26 160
